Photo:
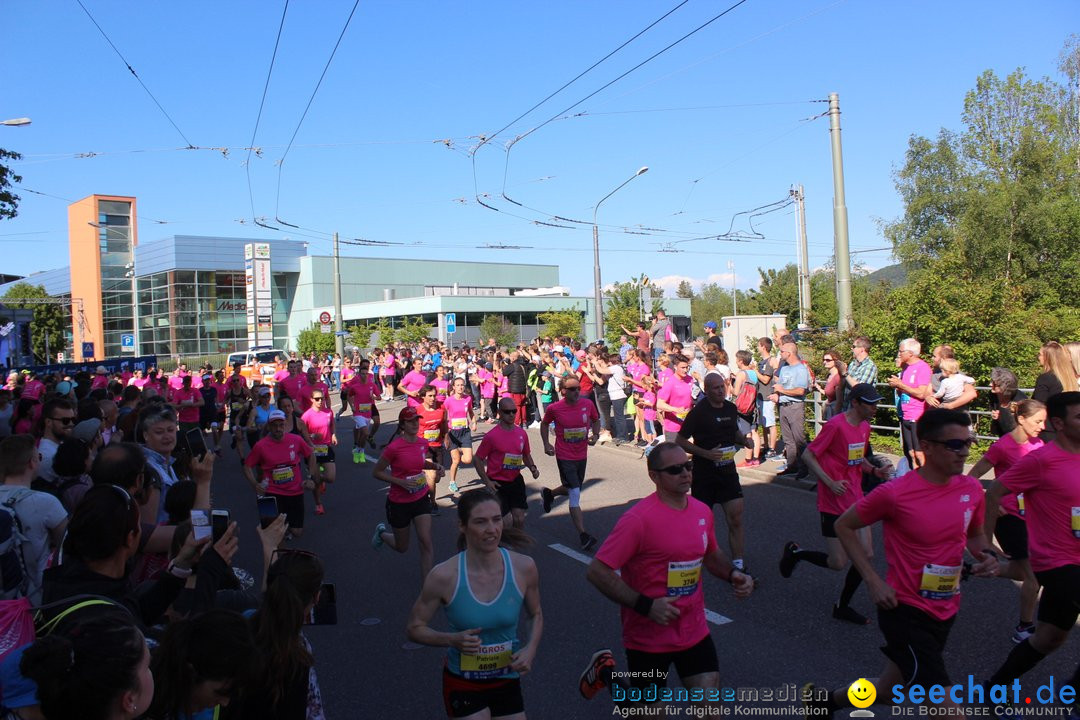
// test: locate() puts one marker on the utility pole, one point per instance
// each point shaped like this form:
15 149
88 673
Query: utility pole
734 302
339 339
840 228
804 259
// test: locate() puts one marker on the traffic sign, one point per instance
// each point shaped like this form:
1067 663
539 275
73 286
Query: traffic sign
324 318
127 343
88 351
327 329
451 323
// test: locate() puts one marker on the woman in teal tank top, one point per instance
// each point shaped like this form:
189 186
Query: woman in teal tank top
482 590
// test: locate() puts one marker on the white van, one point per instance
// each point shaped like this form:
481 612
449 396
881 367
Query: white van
266 359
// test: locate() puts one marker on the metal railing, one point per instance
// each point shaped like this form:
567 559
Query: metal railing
981 417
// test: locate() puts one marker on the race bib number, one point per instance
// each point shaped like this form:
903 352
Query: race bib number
363 408
513 462
681 415
940 582
683 577
490 661
855 453
1020 505
320 450
459 423
727 455
431 435
237 408
574 435
282 474
1076 522
416 482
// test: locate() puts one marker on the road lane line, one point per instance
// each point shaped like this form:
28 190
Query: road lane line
714 617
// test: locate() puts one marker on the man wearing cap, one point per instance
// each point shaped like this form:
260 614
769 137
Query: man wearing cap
278 457
57 421
711 338
577 425
101 378
837 458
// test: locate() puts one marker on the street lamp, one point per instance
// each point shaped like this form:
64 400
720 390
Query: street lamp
129 271
597 298
15 122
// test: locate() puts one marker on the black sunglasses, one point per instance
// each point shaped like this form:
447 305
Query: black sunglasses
677 469
64 420
955 444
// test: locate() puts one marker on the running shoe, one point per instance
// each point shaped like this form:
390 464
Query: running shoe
588 542
1022 632
356 454
850 615
549 498
788 560
453 486
320 510
376 539
363 457
597 674
534 425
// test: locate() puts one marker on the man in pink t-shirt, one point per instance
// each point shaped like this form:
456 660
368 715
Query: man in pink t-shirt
837 458
1049 478
651 566
313 384
577 425
293 385
912 388
675 398
505 447
278 456
187 401
360 390
929 517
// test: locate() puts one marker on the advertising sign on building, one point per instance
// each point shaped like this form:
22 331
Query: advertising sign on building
259 307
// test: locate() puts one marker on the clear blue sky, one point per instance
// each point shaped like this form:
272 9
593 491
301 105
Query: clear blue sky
716 119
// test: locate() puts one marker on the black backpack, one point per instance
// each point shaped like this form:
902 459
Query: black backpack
14 578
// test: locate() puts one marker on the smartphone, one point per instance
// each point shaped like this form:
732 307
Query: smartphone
219 523
200 524
324 611
196 443
268 510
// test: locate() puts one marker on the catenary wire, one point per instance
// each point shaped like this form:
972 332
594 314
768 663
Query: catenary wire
262 104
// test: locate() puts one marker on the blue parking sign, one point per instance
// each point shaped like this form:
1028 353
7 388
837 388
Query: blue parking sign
451 323
127 342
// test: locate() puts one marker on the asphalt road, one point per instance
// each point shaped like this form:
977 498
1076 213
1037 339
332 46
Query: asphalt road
780 638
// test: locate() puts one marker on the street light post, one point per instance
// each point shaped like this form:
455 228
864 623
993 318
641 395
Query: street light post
597 296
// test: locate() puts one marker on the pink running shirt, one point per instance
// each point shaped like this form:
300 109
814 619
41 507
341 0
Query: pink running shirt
676 393
407 462
572 423
1050 481
505 451
279 463
1002 455
839 449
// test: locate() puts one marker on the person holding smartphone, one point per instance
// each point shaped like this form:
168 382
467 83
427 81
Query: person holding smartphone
278 457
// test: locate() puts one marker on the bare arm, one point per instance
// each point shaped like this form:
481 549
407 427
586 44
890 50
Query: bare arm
846 526
660 610
432 596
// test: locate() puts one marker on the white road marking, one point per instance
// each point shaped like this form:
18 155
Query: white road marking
714 617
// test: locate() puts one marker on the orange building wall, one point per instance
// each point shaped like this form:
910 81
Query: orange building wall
85 257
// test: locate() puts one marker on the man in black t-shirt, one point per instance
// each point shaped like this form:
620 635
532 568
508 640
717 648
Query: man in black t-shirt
714 426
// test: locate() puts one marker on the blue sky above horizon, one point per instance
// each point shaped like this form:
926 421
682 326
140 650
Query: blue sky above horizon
385 151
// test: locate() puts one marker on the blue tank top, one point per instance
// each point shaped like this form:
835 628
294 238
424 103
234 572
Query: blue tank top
498 620
262 415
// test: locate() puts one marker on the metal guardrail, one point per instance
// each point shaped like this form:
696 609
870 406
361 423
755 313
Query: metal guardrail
980 416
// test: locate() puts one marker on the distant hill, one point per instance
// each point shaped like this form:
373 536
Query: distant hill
892 275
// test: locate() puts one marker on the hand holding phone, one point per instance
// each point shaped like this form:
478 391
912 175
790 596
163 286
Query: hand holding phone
196 443
268 510
219 523
200 524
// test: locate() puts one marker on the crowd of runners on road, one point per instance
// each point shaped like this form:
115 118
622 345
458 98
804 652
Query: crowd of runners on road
101 475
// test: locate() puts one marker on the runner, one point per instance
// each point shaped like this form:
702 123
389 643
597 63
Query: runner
413 382
462 421
433 428
347 373
293 384
402 465
837 457
278 457
1010 528
388 374
361 393
1050 481
506 449
440 383
929 516
577 425
313 385
714 426
482 591
238 404
319 419
660 547
674 398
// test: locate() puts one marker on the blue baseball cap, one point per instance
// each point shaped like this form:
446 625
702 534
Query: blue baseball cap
711 325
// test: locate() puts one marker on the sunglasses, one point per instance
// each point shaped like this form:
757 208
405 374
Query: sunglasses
679 469
828 360
65 421
316 398
954 445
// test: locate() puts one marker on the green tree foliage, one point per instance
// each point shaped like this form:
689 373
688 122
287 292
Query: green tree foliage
989 230
778 292
562 323
498 327
314 340
413 331
685 290
360 335
623 305
9 201
48 319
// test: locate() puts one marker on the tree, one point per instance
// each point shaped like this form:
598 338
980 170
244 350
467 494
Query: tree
778 292
685 290
562 323
623 305
413 331
712 302
314 340
360 335
48 319
498 327
9 201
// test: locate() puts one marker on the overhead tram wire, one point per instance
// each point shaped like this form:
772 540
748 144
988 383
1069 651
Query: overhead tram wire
262 103
281 162
190 146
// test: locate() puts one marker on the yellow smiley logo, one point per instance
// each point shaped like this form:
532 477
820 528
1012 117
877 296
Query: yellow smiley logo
862 693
